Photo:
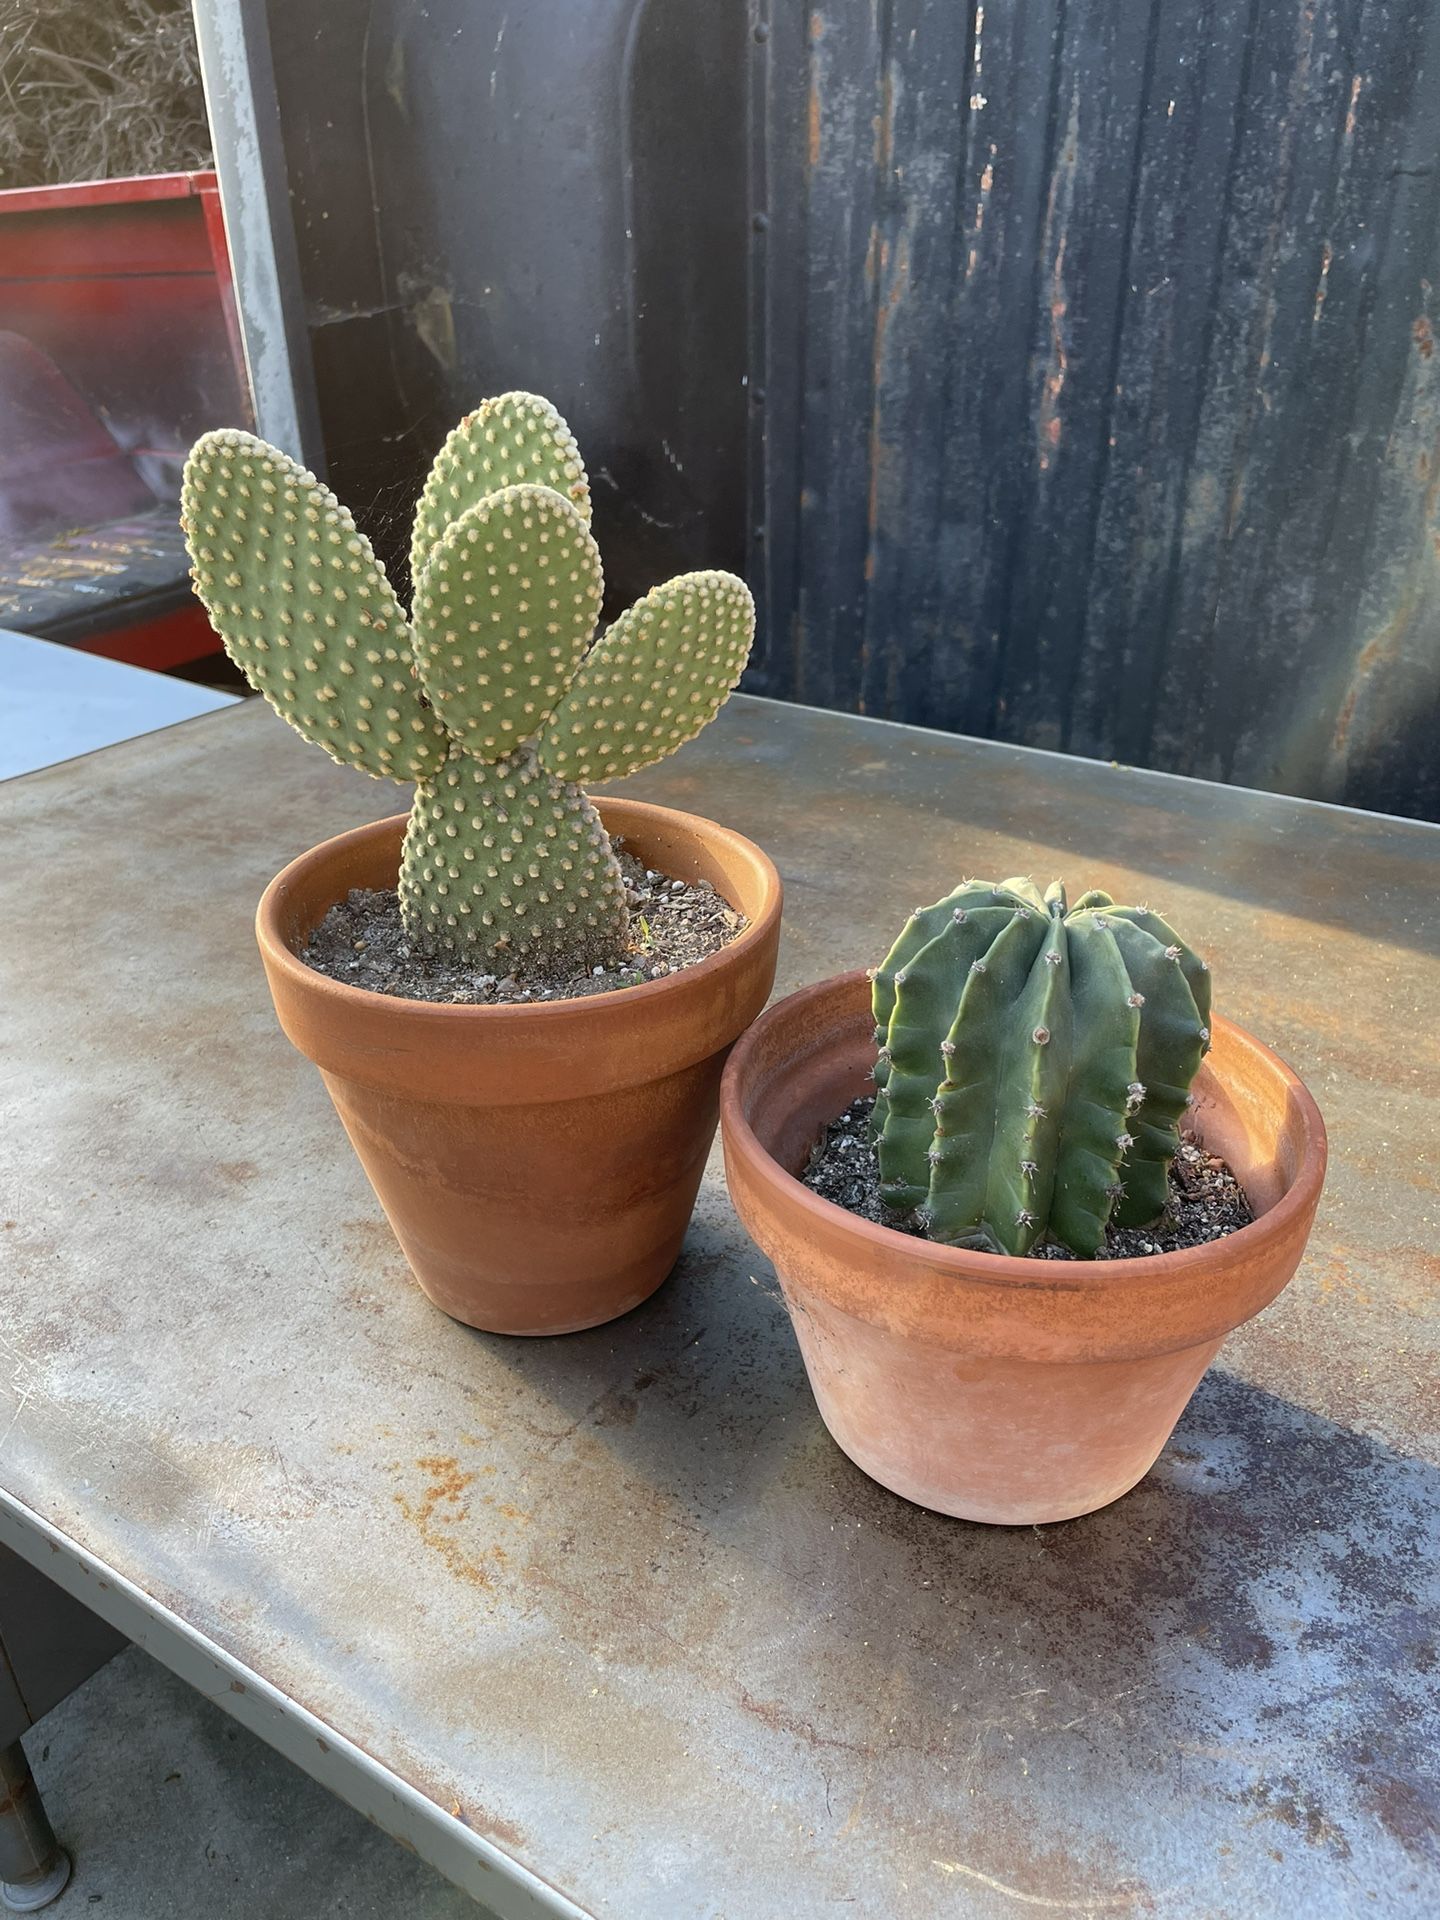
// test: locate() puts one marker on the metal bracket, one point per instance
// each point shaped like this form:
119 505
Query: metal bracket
235 64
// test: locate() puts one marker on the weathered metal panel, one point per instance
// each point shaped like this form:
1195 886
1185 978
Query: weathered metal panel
1063 371
547 196
1118 429
612 1611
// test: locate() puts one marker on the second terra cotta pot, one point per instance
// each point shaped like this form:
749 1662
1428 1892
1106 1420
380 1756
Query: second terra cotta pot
538 1163
998 1389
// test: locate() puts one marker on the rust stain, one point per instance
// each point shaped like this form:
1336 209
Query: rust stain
494 1826
1374 656
813 105
1058 206
1412 1282
987 183
885 311
1050 420
885 122
1331 1275
1424 336
440 1508
1355 85
237 1171
1286 1803
1407 1814
771 1714
1371 656
1326 257
448 1482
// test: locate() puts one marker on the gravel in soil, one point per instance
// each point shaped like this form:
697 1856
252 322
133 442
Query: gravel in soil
1206 1200
673 923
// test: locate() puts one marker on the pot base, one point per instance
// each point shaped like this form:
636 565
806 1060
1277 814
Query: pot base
1013 1443
496 1247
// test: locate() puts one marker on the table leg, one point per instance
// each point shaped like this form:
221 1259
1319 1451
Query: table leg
34 1867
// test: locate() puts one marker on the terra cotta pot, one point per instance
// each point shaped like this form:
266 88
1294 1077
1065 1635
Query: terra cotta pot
538 1163
998 1389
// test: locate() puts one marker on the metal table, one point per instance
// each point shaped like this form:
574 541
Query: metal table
606 1624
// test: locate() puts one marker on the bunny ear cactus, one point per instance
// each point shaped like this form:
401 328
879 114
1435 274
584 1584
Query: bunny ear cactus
493 696
1035 1060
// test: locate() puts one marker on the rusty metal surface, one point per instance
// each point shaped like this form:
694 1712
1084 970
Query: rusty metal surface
1049 369
631 214
1100 380
615 1602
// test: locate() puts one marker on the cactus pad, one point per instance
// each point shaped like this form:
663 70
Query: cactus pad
1034 1064
510 866
504 612
516 439
659 675
305 612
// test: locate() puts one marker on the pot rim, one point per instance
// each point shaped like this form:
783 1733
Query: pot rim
1003 1271
319 987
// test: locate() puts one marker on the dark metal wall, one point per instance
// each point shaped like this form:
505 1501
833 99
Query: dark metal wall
1060 370
549 195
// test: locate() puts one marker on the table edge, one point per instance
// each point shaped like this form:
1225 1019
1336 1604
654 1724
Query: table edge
466 1858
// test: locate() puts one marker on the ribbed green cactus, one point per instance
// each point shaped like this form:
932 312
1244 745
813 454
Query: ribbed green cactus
491 695
1034 1063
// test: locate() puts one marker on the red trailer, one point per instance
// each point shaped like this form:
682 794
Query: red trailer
119 344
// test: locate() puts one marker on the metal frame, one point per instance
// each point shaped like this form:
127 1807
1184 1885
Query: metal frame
239 80
465 1858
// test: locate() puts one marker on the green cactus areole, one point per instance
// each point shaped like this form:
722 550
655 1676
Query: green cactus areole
1034 1063
493 695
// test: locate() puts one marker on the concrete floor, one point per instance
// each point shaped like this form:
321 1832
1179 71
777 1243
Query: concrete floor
171 1810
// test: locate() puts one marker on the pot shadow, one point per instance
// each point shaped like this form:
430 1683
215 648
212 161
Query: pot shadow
1254 1624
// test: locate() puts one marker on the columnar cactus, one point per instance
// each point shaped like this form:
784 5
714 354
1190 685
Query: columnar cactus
1034 1063
491 695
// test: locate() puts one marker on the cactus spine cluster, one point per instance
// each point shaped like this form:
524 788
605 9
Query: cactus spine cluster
493 695
1035 1060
